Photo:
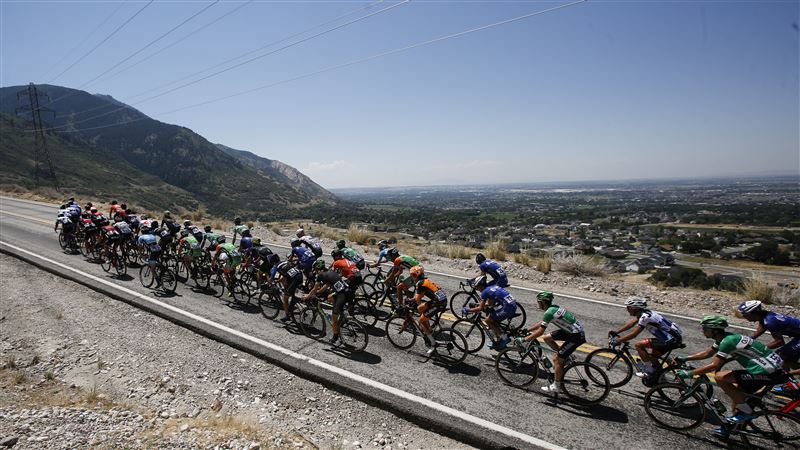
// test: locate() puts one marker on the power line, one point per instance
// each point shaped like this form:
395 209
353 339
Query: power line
167 33
88 36
238 65
340 66
116 30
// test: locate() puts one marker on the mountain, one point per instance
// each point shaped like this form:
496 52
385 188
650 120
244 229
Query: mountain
226 182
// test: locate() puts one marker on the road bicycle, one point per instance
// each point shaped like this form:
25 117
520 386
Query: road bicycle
68 242
682 406
221 282
449 345
469 296
314 319
156 275
475 330
111 259
583 383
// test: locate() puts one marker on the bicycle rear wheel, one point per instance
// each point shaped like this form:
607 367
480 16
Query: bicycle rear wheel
120 266
517 366
218 283
459 300
772 429
402 332
202 276
585 383
146 276
472 332
271 304
169 282
451 347
615 363
353 335
105 261
363 310
674 407
62 241
311 322
517 320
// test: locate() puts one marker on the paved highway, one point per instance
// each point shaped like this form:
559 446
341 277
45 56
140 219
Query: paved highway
473 388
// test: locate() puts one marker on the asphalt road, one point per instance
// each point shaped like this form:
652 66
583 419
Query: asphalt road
474 387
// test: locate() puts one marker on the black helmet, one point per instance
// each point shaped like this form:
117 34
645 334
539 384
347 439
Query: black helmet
319 265
221 240
237 221
207 228
295 243
480 258
382 244
246 233
393 251
336 254
341 243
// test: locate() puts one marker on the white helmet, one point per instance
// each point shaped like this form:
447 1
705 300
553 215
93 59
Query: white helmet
750 306
636 302
300 232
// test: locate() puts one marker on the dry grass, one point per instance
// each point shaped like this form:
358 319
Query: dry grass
523 258
496 251
35 360
757 288
327 232
579 265
18 378
198 215
59 315
100 364
450 251
357 235
11 362
544 265
50 375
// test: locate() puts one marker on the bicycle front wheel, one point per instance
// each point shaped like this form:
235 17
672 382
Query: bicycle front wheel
675 407
105 261
459 300
311 322
517 366
353 335
451 347
146 276
363 310
271 304
585 383
401 332
62 241
169 281
618 368
772 429
472 332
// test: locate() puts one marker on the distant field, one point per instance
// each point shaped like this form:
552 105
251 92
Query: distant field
739 264
721 227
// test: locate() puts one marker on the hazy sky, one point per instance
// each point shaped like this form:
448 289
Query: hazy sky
598 90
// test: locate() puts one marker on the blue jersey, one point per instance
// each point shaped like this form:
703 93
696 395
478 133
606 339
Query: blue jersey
147 239
783 325
499 276
305 257
383 255
498 296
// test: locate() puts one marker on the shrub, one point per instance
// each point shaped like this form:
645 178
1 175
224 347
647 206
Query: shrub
496 251
579 265
358 235
544 265
682 276
757 288
523 258
198 215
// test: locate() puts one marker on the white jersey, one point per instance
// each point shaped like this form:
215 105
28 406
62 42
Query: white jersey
660 327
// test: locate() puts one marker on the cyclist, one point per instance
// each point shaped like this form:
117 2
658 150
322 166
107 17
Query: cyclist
190 250
264 260
238 228
430 299
64 220
503 306
330 281
114 209
303 257
210 237
168 223
570 330
226 253
348 270
150 241
351 254
383 254
667 336
291 277
762 367
779 326
493 268
309 242
401 262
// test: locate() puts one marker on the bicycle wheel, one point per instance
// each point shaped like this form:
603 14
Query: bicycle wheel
181 271
615 363
271 304
169 282
218 283
105 261
62 241
518 320
363 310
674 407
374 283
202 276
146 276
451 347
311 322
472 332
772 429
585 383
119 265
241 290
354 336
402 332
517 366
459 300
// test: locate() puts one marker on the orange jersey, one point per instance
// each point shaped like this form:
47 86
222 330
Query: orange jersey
427 288
346 267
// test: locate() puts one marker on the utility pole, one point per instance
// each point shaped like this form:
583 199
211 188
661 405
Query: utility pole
40 151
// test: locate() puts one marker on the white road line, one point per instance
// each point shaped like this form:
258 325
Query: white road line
336 370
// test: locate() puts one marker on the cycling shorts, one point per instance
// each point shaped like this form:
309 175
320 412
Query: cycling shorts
660 347
292 284
790 351
340 300
750 383
428 309
508 310
502 282
571 342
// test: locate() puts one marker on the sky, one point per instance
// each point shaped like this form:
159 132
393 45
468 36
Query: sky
599 90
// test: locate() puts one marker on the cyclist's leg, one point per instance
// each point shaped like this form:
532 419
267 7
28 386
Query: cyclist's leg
339 302
790 353
571 343
424 319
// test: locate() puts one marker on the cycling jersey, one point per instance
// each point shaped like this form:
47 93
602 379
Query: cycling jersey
780 324
173 227
562 319
246 242
239 229
660 327
305 257
312 245
347 268
353 256
332 279
286 270
405 262
191 246
494 269
151 242
211 238
429 289
502 303
754 356
383 255
197 233
123 228
233 257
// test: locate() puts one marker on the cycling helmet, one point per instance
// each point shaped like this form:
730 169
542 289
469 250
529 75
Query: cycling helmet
207 228
167 214
124 205
221 240
184 232
544 296
257 242
480 283
749 307
341 243
382 244
187 223
295 243
480 258
144 229
300 232
417 271
319 265
636 302
336 254
717 322
237 221
113 202
93 210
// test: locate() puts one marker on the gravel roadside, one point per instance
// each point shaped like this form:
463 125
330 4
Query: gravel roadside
79 369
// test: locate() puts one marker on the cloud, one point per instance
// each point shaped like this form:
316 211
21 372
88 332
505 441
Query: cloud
318 167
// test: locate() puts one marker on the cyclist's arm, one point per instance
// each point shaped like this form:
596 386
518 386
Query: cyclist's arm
702 355
55 228
480 307
777 341
760 329
318 287
536 331
713 366
632 334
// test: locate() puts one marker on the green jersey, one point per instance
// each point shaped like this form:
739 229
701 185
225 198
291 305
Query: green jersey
563 319
239 229
191 246
754 356
405 261
211 238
